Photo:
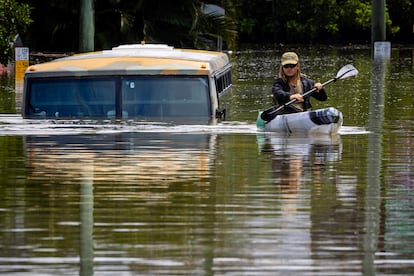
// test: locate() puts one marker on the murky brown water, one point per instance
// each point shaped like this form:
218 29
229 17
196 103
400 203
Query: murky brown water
221 200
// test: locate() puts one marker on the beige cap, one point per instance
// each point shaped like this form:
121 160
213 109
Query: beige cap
289 58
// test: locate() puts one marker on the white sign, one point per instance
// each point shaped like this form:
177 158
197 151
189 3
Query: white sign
382 49
21 53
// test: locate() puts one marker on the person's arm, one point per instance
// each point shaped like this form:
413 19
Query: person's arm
320 93
280 91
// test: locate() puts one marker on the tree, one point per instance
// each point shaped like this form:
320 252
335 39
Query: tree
86 26
14 20
298 21
180 23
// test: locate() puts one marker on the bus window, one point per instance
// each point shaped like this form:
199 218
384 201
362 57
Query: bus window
166 96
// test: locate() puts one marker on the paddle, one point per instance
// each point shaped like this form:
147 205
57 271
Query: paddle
345 72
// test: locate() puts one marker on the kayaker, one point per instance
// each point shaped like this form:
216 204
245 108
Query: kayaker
291 84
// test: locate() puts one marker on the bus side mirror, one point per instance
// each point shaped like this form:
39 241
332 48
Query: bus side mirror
221 114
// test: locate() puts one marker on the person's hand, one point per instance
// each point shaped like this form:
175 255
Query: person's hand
318 86
298 97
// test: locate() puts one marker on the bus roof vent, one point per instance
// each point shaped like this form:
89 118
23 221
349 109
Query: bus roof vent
152 47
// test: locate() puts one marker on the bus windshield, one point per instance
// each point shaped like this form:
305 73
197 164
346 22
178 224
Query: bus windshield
152 97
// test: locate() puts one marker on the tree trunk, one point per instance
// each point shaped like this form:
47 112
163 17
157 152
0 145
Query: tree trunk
86 26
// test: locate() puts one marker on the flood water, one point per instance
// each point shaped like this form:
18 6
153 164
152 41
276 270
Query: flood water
128 199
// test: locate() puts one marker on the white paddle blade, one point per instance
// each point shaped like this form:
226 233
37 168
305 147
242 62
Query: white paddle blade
346 72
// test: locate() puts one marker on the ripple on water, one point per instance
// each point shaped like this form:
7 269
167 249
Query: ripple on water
16 125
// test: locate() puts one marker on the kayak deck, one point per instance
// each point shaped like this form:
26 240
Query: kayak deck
320 121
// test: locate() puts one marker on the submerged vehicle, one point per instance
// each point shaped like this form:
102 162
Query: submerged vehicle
320 121
137 81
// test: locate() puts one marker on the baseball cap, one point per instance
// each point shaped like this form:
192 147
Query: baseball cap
289 58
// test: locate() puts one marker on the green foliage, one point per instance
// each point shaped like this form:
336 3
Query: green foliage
356 14
183 24
14 19
247 25
401 12
310 21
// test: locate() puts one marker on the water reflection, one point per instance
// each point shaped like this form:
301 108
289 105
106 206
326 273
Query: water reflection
86 218
301 166
374 177
138 171
297 158
126 199
312 149
126 157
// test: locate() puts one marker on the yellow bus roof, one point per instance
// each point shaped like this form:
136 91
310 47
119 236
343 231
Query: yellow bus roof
135 59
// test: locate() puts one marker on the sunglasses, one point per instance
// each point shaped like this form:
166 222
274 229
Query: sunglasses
289 65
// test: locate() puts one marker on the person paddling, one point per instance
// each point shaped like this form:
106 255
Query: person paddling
291 84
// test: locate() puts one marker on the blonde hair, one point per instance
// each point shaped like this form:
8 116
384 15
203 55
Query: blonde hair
283 76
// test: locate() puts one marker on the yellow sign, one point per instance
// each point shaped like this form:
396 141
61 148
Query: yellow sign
20 68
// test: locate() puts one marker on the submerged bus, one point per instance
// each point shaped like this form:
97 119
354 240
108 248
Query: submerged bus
138 81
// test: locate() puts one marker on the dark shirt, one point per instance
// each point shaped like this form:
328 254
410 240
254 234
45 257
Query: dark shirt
281 92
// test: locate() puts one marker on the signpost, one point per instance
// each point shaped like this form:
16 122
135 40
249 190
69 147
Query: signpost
20 65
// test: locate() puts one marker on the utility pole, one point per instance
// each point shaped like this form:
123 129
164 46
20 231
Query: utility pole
378 29
86 26
378 21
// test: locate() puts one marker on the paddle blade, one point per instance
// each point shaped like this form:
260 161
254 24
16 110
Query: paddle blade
269 114
346 72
